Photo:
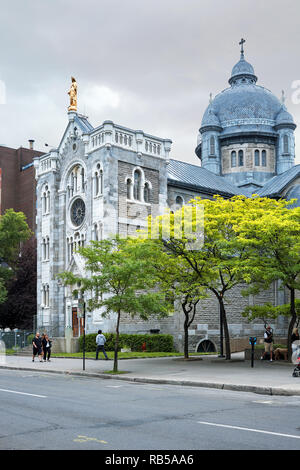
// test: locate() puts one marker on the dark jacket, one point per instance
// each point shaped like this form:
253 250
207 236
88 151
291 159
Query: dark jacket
44 343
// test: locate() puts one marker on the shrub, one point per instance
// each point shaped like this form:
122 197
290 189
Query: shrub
154 343
30 338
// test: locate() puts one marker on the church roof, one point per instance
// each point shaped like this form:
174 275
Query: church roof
186 175
277 184
83 123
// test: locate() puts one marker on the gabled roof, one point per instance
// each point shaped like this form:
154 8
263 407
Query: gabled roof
84 124
275 186
196 178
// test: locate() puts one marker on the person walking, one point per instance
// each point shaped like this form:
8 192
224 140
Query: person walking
46 348
100 341
268 342
37 347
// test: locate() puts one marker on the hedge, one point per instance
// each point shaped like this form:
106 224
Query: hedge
154 342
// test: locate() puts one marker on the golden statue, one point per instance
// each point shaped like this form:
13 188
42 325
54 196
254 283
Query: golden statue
73 95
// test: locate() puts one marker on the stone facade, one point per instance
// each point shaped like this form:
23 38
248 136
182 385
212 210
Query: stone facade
107 180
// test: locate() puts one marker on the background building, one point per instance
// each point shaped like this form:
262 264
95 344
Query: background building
17 181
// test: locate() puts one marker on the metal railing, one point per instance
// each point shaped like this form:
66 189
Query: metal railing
16 339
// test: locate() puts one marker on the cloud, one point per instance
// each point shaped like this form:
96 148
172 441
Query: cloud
97 98
143 64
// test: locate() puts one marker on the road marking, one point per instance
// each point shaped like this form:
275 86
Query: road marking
250 430
22 393
114 386
266 402
87 439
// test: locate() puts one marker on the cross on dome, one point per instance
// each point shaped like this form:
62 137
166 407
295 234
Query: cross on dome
241 43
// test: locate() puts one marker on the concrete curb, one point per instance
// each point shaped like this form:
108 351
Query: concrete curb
234 387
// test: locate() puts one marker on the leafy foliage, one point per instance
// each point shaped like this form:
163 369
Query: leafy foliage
20 306
154 343
118 279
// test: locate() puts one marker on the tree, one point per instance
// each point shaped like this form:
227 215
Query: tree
13 231
177 280
20 307
270 232
218 264
119 279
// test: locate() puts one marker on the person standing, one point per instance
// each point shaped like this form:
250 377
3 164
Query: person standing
268 342
100 341
46 348
37 347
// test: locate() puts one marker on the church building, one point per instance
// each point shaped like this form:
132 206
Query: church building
105 180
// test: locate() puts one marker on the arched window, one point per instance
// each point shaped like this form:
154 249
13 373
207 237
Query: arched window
212 146
45 299
101 181
233 159
137 185
46 201
256 158
47 250
179 202
82 179
128 186
147 192
43 249
264 158
96 181
286 146
241 158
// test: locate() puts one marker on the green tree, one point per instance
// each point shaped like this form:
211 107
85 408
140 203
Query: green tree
119 279
13 231
20 307
177 280
270 233
219 262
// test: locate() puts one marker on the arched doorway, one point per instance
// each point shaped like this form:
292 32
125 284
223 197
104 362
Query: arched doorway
206 346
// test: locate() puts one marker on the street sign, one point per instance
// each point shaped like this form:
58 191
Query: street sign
80 309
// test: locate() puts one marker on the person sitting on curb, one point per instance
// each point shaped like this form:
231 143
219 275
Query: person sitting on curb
268 342
100 341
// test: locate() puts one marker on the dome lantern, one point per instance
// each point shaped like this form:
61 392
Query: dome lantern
242 71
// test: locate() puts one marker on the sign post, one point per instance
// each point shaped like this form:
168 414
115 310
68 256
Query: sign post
252 341
81 314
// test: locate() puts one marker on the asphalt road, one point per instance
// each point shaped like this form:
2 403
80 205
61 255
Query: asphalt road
49 411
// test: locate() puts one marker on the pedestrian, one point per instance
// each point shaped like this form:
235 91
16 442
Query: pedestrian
295 337
268 343
46 347
100 341
37 347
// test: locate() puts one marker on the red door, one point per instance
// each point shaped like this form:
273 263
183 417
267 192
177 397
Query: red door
75 325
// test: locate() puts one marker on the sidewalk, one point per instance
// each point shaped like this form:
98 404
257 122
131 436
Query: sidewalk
269 378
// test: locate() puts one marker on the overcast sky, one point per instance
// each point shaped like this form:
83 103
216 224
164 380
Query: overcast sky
143 64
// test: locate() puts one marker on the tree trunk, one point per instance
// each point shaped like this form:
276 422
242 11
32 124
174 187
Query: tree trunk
291 324
226 330
117 343
186 338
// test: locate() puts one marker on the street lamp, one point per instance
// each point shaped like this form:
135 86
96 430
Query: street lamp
81 310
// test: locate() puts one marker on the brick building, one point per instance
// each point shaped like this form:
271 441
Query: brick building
17 181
